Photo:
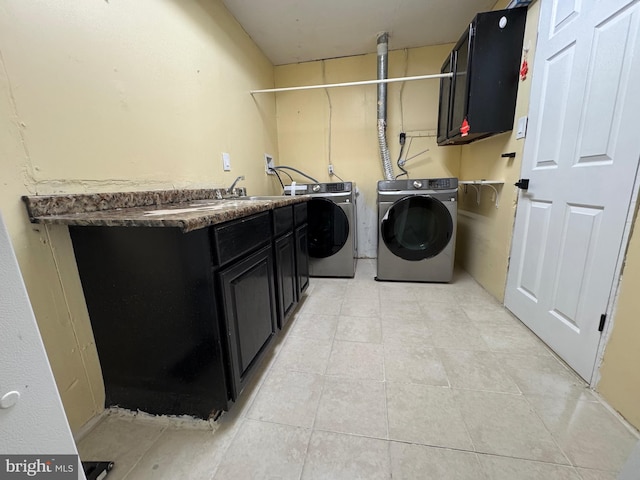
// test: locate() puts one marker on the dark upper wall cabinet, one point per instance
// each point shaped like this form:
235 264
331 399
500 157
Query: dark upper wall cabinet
485 64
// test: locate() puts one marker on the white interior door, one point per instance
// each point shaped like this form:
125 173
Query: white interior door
32 420
581 157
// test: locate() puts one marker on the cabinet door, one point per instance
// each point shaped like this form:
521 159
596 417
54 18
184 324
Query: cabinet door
444 105
150 296
286 276
249 312
460 83
302 259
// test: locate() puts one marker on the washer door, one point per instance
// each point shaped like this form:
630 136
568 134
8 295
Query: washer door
417 227
328 227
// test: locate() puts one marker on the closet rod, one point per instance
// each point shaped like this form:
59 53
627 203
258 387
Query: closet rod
351 84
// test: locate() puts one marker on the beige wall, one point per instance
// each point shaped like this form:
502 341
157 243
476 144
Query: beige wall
338 126
115 96
484 231
620 371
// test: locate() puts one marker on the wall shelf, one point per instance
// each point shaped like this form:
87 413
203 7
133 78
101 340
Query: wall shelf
477 186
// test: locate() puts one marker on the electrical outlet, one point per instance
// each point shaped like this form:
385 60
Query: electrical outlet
226 162
330 170
268 164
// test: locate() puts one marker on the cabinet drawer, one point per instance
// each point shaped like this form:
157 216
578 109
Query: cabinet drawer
238 237
282 220
300 213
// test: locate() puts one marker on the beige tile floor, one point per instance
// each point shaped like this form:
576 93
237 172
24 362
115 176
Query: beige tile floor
387 380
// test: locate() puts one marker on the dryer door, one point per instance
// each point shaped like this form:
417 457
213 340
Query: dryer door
417 227
328 227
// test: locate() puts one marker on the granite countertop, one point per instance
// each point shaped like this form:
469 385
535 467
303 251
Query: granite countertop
186 209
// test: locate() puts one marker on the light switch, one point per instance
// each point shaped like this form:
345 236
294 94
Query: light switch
226 162
521 132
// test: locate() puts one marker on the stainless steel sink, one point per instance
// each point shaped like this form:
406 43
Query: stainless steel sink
263 197
204 205
227 201
214 201
214 204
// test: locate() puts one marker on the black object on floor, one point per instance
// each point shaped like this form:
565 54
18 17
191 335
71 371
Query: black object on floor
96 470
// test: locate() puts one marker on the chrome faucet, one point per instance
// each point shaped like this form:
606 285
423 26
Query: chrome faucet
233 185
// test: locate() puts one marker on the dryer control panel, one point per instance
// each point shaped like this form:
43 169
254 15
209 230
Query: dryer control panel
418 184
441 183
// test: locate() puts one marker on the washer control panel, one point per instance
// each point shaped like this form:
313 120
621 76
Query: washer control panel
320 188
338 187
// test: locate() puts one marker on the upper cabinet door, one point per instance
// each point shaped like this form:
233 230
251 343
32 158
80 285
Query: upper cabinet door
481 96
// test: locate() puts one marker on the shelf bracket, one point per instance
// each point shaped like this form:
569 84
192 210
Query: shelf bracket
477 186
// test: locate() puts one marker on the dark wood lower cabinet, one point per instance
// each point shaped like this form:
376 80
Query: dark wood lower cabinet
285 249
151 300
250 313
181 320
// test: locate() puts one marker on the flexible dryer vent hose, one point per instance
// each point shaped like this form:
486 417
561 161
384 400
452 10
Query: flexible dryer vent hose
383 56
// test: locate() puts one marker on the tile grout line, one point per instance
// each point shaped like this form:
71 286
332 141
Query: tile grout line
454 394
384 379
553 437
620 418
242 420
315 416
133 467
542 462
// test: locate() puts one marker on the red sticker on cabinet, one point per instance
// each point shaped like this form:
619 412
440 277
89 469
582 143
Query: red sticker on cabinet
464 129
524 70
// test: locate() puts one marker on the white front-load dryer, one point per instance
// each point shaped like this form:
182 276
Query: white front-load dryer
417 229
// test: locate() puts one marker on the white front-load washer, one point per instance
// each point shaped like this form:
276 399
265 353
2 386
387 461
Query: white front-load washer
417 229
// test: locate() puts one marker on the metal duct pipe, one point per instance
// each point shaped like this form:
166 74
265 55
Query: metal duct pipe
383 68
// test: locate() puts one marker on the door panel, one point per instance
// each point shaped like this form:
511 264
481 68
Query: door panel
555 94
580 233
535 235
581 158
564 11
601 110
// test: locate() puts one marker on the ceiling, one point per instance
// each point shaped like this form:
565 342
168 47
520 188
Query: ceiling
293 31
